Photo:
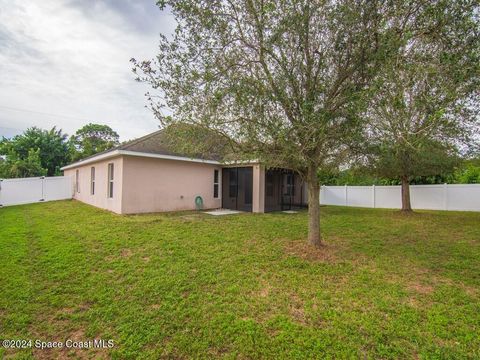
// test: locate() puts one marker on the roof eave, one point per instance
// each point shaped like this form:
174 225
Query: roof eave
115 153
93 159
168 157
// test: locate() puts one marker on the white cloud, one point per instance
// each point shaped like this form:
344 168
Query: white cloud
72 58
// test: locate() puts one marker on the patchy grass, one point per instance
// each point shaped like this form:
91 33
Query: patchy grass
188 285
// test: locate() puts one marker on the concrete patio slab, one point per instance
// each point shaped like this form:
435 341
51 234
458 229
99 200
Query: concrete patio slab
219 212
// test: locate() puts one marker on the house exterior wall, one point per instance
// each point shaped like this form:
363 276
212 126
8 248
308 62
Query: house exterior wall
100 197
155 185
144 184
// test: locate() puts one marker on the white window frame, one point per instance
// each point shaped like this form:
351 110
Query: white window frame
110 180
92 180
216 183
77 181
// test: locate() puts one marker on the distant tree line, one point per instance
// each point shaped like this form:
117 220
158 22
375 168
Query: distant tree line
39 152
466 171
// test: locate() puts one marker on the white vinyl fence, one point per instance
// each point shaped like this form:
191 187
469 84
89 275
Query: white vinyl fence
31 190
429 197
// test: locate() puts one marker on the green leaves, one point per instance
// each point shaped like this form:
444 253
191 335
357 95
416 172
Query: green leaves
39 152
92 139
16 167
253 70
34 153
421 111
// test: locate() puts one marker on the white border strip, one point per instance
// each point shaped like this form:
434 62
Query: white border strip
167 157
114 153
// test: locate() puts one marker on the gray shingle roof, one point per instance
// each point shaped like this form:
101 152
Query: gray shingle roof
156 143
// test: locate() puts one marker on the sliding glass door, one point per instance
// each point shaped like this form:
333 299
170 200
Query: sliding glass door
237 188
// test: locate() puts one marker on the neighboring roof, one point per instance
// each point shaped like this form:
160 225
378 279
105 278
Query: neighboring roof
153 145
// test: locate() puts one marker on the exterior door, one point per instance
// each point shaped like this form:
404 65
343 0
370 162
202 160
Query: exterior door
288 190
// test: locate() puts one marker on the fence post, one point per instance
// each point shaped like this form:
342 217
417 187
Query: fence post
346 195
373 195
43 188
445 196
1 192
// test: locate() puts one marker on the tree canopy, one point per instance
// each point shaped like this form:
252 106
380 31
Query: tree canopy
39 152
424 102
29 166
43 152
285 82
92 139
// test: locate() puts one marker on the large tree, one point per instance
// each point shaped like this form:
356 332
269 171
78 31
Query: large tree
48 147
425 100
16 167
92 139
282 81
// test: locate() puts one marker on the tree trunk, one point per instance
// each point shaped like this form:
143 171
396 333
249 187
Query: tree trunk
314 237
406 205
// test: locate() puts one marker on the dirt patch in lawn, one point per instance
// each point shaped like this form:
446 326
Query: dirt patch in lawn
126 253
327 253
297 309
190 218
420 288
265 291
77 349
469 290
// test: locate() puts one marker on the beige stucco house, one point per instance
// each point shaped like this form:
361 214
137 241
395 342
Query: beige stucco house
144 176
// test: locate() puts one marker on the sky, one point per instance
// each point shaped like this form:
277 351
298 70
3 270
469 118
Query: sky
65 63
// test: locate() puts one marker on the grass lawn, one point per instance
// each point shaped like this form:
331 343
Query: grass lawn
190 285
